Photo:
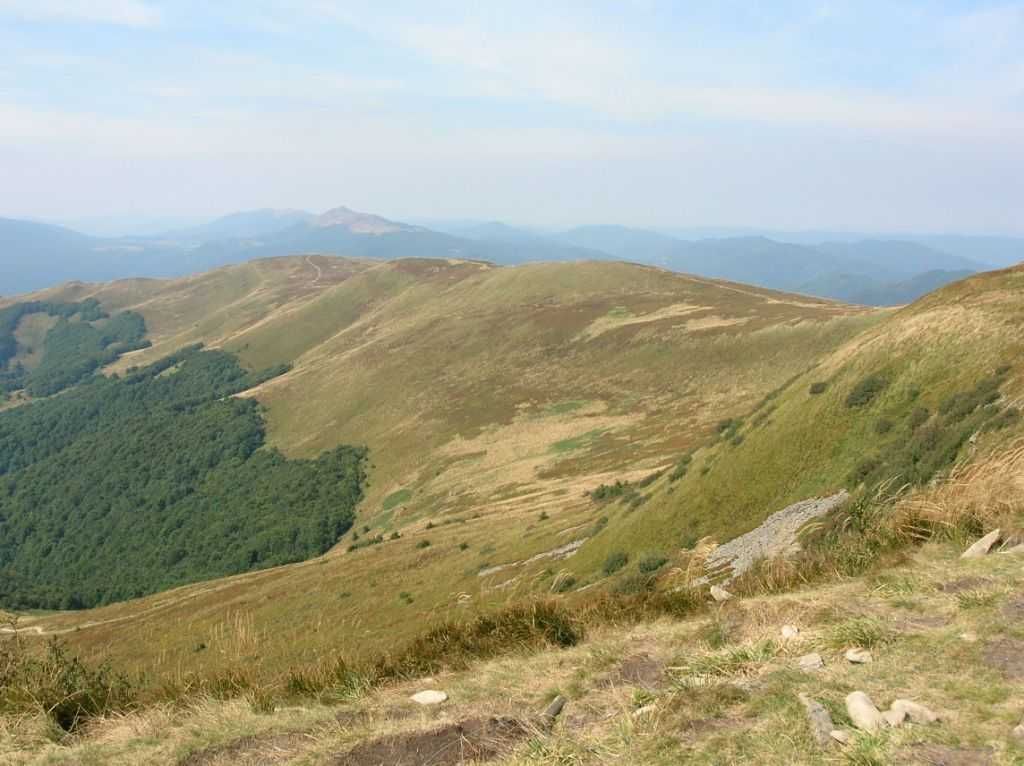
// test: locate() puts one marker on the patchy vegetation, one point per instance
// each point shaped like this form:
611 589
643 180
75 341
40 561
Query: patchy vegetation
84 339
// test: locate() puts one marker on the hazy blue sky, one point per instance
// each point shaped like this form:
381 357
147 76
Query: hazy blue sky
858 114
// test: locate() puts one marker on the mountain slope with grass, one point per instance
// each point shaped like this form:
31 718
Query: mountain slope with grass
490 399
526 534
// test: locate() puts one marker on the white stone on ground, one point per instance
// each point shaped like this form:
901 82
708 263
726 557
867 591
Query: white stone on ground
429 697
863 713
858 656
842 736
982 546
720 594
895 717
1018 730
789 631
811 661
915 711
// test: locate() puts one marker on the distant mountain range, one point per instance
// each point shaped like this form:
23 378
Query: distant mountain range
871 271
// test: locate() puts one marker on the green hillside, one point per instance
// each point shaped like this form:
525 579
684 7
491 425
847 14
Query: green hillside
491 400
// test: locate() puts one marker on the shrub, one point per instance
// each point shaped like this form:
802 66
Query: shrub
423 544
455 645
58 684
866 391
883 426
463 546
649 479
918 417
615 562
818 388
681 468
543 516
395 535
634 583
607 492
651 563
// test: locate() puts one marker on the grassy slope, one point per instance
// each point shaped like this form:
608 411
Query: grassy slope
808 444
488 396
939 628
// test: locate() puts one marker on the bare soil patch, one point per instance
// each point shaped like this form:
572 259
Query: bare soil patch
940 755
962 584
637 670
250 750
1014 609
475 739
1006 655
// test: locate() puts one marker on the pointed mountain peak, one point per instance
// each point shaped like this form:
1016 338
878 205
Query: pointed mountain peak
359 223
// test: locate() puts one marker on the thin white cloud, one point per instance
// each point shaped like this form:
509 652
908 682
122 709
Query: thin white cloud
130 13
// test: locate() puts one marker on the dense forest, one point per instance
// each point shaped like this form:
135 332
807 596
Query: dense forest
126 486
84 339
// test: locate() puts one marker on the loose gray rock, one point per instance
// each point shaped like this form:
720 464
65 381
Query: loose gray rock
811 661
914 711
790 632
982 546
775 537
863 713
429 697
842 736
719 594
858 656
818 718
554 709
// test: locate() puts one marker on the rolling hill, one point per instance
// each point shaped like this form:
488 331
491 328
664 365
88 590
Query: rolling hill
580 432
490 398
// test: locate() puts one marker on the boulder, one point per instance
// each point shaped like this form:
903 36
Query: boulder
429 697
790 632
720 594
982 546
818 718
1015 550
914 711
863 713
858 656
811 661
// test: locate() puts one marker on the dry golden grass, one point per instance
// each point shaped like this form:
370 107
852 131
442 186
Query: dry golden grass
986 493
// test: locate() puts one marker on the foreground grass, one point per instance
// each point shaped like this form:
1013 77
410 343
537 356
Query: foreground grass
652 693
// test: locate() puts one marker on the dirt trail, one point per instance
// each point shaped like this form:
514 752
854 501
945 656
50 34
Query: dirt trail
319 271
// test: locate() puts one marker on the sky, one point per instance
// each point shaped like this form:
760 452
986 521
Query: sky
871 115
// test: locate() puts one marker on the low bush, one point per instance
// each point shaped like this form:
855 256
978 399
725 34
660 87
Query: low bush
58 684
651 563
818 388
615 562
454 645
866 391
423 544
